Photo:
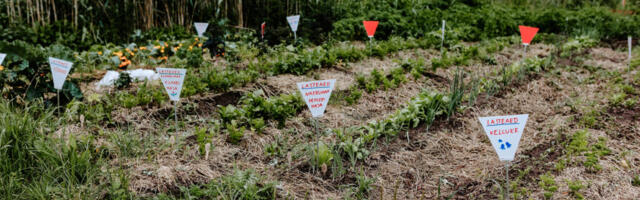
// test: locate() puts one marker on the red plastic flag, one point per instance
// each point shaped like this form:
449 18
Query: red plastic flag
264 24
527 33
370 26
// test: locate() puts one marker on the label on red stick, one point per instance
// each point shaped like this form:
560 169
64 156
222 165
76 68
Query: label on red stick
264 24
527 33
370 27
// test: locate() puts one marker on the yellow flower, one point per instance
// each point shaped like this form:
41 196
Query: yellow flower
200 45
99 52
190 48
156 47
117 53
175 48
131 53
197 39
1 67
143 48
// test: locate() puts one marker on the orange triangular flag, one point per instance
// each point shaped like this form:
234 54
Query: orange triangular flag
527 33
370 26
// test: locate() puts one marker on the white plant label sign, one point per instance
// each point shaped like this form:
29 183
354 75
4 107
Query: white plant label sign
293 22
201 27
59 69
504 132
172 79
316 94
2 56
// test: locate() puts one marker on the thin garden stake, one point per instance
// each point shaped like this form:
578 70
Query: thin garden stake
442 42
506 196
58 96
317 152
629 40
175 114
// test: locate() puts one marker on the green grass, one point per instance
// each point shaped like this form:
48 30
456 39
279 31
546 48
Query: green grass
36 165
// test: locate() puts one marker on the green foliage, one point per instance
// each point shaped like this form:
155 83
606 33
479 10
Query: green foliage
235 133
353 97
321 155
548 184
579 145
577 45
257 124
636 181
254 110
363 186
354 148
202 137
579 142
145 95
30 159
26 73
118 186
239 185
124 81
574 188
96 110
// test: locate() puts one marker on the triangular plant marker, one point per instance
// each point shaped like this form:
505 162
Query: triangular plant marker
172 79
370 27
201 27
2 56
59 70
316 94
504 132
293 22
527 33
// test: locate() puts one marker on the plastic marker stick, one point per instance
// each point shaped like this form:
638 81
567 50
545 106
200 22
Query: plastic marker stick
443 26
629 41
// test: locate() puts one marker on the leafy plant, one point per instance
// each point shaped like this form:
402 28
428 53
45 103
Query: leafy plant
574 188
235 133
124 81
257 124
202 137
548 184
321 157
354 148
354 95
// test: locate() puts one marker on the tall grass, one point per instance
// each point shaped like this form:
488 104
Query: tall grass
36 165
